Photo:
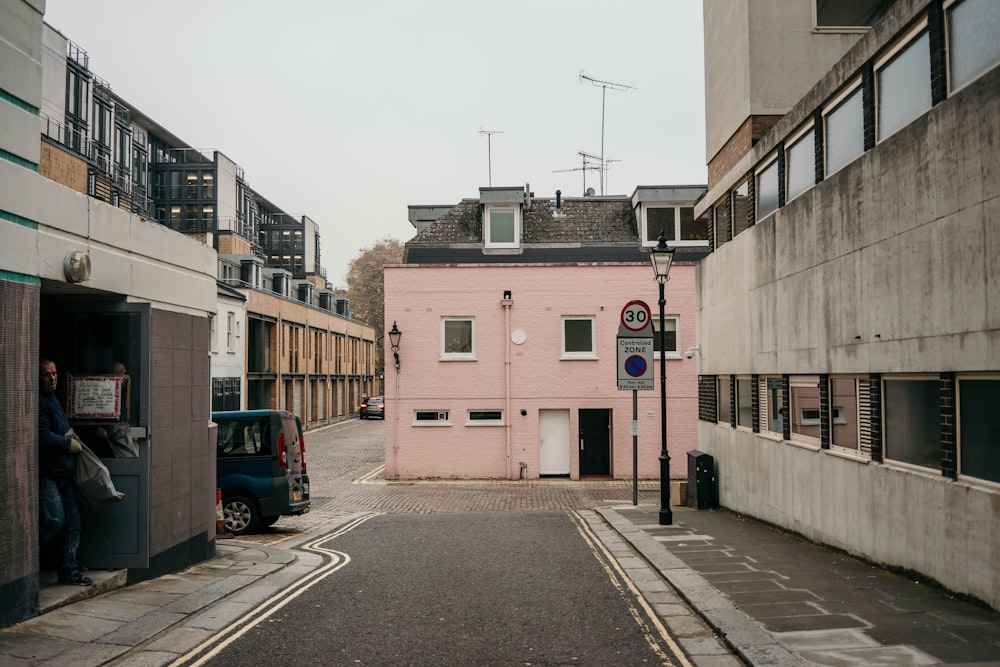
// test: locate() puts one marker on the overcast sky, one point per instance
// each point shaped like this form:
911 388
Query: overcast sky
348 112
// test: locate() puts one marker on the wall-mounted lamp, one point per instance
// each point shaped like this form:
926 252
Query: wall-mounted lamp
76 266
394 335
506 294
691 350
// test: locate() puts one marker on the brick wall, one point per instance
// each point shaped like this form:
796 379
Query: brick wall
743 139
418 296
231 244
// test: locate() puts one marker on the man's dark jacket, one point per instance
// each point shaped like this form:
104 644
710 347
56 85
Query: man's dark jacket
53 443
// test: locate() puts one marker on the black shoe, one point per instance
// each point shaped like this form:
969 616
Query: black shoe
76 579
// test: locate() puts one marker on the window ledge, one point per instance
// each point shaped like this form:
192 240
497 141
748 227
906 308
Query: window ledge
457 359
978 483
565 358
771 435
849 455
805 445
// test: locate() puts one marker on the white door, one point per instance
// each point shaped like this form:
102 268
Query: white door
553 442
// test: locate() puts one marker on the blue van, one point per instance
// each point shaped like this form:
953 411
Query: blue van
261 468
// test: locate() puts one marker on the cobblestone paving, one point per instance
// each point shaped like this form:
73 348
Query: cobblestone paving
345 473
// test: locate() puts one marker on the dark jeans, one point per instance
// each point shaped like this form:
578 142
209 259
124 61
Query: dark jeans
60 517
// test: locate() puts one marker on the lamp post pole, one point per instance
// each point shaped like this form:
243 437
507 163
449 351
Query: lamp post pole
666 514
662 256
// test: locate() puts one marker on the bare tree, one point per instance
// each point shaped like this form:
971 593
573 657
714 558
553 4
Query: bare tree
366 285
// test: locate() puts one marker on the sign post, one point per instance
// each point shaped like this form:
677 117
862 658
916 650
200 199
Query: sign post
635 369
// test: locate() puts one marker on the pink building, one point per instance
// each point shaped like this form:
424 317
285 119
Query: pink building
509 308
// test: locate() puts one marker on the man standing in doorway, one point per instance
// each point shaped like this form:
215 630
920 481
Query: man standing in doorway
58 449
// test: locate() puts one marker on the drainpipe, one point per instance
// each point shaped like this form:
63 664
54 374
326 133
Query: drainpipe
507 302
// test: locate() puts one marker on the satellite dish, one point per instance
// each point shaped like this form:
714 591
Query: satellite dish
589 193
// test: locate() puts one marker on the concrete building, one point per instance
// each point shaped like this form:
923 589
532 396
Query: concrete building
848 323
509 308
110 228
87 283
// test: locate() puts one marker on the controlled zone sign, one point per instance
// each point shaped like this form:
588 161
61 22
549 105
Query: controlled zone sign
635 348
635 363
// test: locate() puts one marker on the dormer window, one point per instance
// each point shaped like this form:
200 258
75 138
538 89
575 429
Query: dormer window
669 209
502 225
677 223
502 211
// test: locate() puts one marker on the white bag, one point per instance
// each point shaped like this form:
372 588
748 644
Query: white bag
94 488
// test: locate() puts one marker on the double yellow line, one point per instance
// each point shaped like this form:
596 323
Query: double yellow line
335 560
644 615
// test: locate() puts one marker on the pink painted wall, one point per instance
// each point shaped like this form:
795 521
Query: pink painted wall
418 296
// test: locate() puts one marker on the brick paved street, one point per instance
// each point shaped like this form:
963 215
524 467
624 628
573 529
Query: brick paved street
345 471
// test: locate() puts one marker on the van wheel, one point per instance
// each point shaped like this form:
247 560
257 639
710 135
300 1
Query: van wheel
241 513
269 521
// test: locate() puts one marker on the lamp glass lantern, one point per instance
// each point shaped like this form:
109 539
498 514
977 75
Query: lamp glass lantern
661 257
394 335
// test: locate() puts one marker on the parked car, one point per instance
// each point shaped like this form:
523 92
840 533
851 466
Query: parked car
373 407
302 447
261 468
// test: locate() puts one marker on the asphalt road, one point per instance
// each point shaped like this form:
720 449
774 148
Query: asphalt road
494 588
447 573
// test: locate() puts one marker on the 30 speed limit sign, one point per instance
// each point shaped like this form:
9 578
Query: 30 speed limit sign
636 316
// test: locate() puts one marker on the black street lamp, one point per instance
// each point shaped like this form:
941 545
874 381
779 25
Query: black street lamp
662 256
394 335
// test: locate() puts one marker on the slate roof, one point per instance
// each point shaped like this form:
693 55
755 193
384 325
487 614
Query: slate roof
585 229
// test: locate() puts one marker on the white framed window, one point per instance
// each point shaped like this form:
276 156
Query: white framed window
800 163
671 326
912 420
458 338
484 418
502 225
845 431
844 128
973 47
903 84
578 337
744 402
978 454
803 397
809 416
432 417
677 222
767 189
230 331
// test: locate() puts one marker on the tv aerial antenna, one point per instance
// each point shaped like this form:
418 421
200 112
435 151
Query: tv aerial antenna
588 165
604 85
489 151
